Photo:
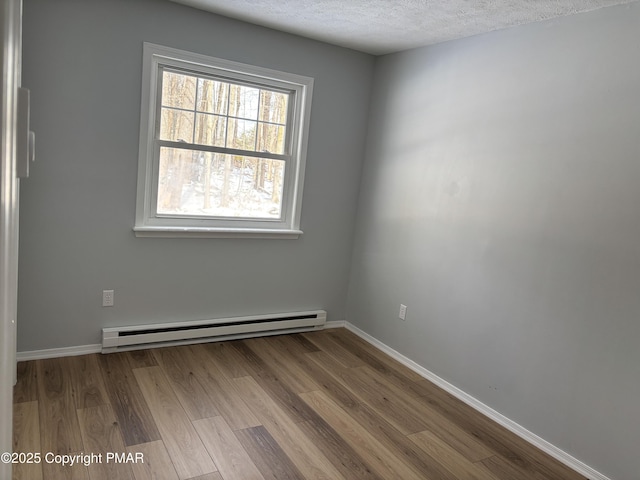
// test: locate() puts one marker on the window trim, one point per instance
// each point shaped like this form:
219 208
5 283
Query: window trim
148 223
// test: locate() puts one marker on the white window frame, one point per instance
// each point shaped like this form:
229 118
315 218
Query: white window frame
148 222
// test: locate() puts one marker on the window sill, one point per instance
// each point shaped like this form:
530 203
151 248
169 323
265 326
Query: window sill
194 232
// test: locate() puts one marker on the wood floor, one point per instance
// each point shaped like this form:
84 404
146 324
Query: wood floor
321 405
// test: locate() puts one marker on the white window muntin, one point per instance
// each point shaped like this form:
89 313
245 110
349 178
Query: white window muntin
157 58
286 157
292 93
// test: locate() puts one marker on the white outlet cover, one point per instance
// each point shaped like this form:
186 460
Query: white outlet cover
107 298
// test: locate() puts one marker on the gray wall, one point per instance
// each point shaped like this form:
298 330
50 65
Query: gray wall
500 203
82 62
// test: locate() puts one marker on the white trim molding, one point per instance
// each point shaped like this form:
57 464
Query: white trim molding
59 352
487 411
335 324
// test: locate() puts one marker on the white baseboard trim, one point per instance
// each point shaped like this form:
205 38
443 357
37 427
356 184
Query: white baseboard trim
335 324
519 430
58 352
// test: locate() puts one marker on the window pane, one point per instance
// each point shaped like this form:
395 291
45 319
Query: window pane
241 134
213 96
273 107
270 138
210 129
243 102
209 184
178 90
176 125
225 114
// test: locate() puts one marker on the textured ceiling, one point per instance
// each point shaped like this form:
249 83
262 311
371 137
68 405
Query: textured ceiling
385 26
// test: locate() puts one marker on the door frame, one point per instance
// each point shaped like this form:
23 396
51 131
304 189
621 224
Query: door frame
10 32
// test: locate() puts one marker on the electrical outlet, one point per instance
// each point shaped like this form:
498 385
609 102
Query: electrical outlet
107 298
403 312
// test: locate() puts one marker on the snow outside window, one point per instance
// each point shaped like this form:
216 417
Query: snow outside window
222 147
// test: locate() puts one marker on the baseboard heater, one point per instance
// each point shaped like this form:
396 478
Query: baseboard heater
199 331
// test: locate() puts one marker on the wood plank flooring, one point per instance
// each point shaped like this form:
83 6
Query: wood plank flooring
320 405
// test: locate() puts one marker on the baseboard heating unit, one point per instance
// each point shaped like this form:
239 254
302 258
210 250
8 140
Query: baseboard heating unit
200 331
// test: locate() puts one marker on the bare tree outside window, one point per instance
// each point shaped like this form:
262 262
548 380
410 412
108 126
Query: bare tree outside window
204 111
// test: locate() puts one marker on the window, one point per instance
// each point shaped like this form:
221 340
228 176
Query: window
222 147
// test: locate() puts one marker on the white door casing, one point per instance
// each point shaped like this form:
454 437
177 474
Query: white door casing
10 32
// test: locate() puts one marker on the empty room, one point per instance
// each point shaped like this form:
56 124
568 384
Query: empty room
321 240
